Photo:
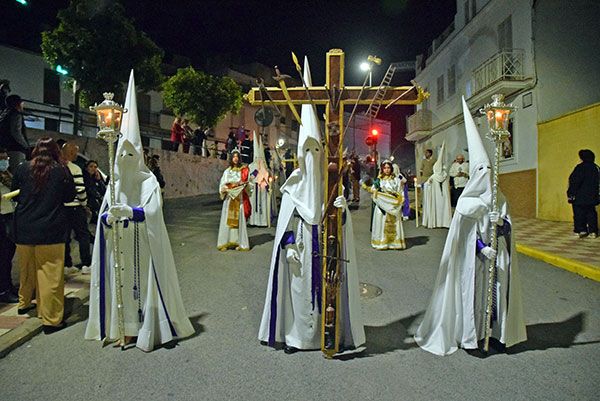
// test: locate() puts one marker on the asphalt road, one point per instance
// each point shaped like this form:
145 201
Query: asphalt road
224 295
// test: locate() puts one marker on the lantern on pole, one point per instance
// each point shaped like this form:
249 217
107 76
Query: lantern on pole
110 116
498 116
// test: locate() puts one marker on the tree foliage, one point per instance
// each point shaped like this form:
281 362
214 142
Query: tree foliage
99 45
204 99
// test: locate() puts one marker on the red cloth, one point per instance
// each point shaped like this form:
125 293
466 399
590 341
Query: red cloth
245 197
177 133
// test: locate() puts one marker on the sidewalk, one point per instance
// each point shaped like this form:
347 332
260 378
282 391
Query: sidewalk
16 329
555 243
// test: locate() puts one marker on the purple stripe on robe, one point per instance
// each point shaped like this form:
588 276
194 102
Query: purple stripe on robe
406 206
316 269
288 238
138 214
479 245
102 297
162 301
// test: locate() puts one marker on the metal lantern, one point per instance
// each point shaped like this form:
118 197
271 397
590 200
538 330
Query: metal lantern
109 114
498 114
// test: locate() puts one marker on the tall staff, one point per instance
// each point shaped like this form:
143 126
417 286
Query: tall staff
110 116
497 114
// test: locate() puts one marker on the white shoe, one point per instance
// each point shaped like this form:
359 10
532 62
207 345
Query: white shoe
86 270
593 235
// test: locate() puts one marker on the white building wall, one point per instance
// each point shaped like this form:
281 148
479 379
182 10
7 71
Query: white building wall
468 47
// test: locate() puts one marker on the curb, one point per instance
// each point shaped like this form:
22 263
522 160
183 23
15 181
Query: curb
33 326
583 269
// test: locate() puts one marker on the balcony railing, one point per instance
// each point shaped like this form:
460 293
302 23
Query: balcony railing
506 65
420 121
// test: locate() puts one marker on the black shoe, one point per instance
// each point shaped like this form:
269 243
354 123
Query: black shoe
290 350
54 329
25 310
7 297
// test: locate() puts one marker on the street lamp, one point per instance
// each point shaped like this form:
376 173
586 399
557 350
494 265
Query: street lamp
364 66
110 115
497 114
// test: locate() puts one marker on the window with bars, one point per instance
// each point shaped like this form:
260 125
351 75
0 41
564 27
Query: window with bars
505 34
473 8
467 12
440 89
451 80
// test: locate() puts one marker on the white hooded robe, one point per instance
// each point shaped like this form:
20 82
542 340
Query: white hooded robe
455 316
152 304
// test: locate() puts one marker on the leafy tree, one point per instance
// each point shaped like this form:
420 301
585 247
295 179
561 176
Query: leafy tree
205 99
98 45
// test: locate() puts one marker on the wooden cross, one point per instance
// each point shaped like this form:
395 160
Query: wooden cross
336 97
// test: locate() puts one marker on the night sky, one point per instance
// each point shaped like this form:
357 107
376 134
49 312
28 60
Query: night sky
243 31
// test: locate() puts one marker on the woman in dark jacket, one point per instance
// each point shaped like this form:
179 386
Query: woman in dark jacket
39 231
583 194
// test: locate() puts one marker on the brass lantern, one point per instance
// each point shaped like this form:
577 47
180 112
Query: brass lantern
498 115
109 114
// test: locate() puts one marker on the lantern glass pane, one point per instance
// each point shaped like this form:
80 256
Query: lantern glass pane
117 119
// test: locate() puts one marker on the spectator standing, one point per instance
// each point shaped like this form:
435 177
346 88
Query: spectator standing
95 187
39 230
8 293
583 194
459 171
246 150
176 134
198 142
188 135
231 142
76 211
154 167
427 165
13 134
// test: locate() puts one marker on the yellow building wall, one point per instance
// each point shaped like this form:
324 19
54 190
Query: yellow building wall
559 140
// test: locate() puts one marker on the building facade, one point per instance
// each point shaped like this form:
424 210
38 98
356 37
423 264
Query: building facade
512 47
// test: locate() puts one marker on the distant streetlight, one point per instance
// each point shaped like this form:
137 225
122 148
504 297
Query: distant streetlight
61 70
364 66
22 2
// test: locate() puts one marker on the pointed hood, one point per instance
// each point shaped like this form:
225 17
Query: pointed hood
477 152
439 174
134 182
305 184
476 197
258 167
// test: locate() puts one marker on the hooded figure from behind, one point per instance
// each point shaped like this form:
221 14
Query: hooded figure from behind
455 316
152 304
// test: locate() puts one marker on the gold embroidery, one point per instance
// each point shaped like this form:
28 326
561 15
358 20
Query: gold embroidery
233 213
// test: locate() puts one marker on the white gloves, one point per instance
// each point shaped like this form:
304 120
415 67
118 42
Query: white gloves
119 212
340 202
292 256
495 218
489 252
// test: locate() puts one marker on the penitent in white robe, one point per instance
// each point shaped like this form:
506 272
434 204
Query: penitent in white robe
387 231
456 313
437 211
292 313
232 237
261 200
152 305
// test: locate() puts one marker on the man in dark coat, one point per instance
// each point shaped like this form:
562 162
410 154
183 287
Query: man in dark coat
583 194
12 131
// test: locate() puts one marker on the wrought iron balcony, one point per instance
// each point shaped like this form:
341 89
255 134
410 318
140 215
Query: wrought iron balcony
506 65
419 125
